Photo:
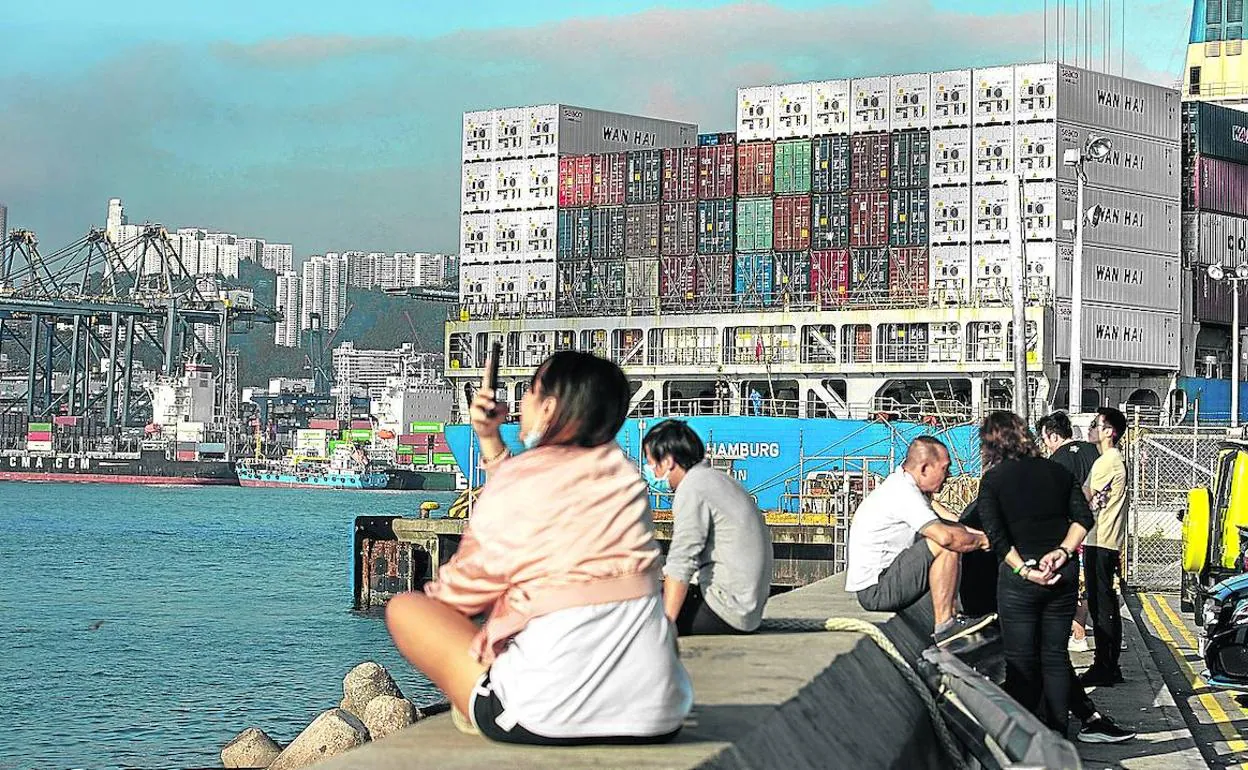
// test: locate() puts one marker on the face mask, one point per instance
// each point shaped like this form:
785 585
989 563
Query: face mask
657 483
532 438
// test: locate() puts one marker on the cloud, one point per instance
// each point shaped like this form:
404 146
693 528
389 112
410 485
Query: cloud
343 142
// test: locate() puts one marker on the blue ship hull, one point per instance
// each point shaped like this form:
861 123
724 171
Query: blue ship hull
771 452
248 477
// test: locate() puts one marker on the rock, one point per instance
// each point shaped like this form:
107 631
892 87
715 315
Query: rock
251 748
363 683
387 714
329 735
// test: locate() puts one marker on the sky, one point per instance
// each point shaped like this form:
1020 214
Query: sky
336 125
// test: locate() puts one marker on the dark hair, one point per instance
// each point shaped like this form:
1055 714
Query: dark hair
1116 419
1057 423
592 395
675 439
1004 436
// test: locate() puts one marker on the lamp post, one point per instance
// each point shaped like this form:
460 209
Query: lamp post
1095 148
1241 274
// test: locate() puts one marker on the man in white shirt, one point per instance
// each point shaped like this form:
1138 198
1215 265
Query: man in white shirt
900 549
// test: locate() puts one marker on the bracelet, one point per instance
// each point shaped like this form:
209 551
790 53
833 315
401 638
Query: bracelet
1070 555
1019 569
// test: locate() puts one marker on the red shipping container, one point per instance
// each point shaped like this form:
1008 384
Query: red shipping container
679 234
607 179
680 174
39 435
791 223
717 172
413 439
756 169
67 421
907 273
868 219
869 161
361 425
185 456
829 276
678 278
323 424
1218 185
575 177
713 281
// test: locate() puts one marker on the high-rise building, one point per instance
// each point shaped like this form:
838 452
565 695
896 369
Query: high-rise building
368 370
360 269
4 222
249 249
278 257
287 304
124 236
323 291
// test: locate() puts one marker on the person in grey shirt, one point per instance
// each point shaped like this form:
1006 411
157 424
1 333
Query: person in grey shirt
719 537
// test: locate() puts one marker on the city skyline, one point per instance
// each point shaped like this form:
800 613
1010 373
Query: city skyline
320 130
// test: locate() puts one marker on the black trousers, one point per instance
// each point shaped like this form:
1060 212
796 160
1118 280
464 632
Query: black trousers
1035 624
1100 567
696 618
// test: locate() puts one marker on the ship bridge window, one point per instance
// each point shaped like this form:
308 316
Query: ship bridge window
1193 81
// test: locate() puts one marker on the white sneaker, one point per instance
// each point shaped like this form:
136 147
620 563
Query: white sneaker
1077 645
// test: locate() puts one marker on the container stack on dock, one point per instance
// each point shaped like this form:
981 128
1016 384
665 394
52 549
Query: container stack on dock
555 194
1215 222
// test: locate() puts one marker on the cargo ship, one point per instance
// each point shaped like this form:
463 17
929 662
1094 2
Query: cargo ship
346 468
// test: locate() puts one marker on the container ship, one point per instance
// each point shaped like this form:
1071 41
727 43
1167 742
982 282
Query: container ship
848 252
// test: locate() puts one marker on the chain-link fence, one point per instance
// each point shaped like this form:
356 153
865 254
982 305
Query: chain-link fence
1162 465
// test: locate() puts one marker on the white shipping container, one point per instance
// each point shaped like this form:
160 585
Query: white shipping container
1116 336
950 215
1110 102
510 229
476 284
951 156
509 133
1125 278
541 231
1134 164
38 446
509 286
994 153
1041 269
313 434
949 274
509 185
542 179
990 217
952 96
1127 221
539 287
542 130
870 105
1035 92
1040 211
990 265
476 235
477 187
831 107
994 96
793 111
911 102
756 112
1215 239
478 135
1035 151
945 341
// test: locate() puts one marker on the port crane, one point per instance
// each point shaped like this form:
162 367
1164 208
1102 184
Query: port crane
96 307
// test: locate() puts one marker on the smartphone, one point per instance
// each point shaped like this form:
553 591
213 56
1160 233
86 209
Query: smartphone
489 379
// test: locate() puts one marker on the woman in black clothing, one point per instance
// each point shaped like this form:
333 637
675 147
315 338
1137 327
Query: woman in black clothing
1035 516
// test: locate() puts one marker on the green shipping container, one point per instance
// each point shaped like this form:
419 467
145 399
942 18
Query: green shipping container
334 445
404 450
357 435
443 458
754 222
417 458
40 427
427 427
792 167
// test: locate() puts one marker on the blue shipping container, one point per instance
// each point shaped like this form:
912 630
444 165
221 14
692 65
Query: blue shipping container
715 226
753 278
573 234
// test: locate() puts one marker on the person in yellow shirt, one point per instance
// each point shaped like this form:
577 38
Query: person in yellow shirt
1106 490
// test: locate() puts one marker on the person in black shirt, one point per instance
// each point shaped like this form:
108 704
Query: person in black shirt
1057 434
1035 516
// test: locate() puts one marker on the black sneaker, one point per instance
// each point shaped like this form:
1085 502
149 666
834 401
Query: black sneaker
1103 730
961 627
1094 678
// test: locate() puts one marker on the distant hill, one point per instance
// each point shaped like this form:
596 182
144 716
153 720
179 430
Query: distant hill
375 320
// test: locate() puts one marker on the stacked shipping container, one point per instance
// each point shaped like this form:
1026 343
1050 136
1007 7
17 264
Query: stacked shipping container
556 195
1215 203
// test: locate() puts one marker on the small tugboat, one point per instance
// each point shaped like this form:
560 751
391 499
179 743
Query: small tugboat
347 468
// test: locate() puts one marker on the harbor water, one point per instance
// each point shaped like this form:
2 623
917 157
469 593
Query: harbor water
145 627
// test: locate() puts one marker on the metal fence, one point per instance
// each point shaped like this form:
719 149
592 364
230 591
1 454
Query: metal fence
1162 465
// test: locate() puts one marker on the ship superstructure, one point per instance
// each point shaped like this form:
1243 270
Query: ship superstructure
847 252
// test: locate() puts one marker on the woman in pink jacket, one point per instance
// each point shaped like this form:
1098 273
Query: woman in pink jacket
560 556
